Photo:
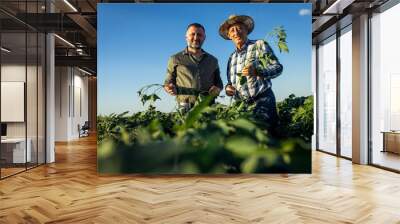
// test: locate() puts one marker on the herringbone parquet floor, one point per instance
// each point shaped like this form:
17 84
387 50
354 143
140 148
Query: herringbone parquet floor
70 191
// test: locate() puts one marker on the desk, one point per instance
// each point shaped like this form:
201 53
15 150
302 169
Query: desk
17 150
391 141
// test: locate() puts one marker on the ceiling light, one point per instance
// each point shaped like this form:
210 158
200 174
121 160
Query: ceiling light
84 71
64 40
337 7
70 5
5 50
80 51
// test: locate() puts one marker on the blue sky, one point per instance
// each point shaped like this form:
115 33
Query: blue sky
136 40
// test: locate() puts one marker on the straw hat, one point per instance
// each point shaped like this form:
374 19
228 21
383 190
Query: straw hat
233 19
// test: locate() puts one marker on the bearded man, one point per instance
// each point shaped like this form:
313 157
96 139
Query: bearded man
193 70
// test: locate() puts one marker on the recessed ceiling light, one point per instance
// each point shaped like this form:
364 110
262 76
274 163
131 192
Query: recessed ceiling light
337 7
5 50
70 5
84 71
64 40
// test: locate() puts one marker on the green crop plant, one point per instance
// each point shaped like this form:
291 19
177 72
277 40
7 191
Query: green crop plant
209 138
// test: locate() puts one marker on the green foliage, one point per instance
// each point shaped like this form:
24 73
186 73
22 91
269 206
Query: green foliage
279 33
278 36
152 98
296 117
242 79
208 139
144 98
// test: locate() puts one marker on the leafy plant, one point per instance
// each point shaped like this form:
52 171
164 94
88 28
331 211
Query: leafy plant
207 139
144 97
296 117
279 33
210 138
277 36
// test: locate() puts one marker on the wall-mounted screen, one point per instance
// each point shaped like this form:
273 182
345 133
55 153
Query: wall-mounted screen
12 101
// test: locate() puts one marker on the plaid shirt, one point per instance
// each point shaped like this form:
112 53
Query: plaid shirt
247 55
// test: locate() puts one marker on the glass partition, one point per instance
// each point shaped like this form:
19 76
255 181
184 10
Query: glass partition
327 95
23 91
32 95
33 57
14 154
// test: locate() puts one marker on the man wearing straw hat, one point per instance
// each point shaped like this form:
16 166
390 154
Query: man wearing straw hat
244 62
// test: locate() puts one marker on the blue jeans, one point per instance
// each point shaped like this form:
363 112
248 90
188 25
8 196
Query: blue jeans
265 110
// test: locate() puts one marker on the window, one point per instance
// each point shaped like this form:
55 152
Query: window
346 92
327 95
385 88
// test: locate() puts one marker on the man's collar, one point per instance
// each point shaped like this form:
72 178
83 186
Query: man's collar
244 46
185 51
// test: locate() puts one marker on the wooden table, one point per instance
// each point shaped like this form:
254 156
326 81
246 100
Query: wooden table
391 141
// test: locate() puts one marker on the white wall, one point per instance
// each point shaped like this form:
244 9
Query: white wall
71 94
80 104
12 73
33 126
62 81
9 73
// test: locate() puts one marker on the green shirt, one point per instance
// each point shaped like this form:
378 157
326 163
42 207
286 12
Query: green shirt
192 76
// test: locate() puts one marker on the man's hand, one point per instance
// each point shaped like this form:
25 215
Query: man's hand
230 90
170 89
214 91
249 70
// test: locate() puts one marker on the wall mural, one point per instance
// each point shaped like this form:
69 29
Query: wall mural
227 90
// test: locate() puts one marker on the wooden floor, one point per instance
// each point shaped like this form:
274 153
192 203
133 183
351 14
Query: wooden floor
10 171
387 159
70 191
